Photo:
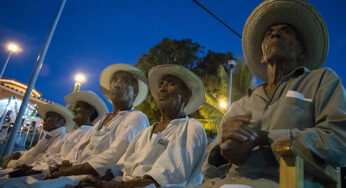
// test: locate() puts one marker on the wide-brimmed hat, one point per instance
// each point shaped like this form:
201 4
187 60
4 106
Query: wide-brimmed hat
108 72
59 109
88 97
191 80
297 13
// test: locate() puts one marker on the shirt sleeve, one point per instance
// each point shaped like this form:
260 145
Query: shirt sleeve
135 123
181 157
29 156
327 139
215 166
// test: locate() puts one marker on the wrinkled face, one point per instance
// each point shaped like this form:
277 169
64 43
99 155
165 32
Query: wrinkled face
123 88
280 42
173 94
82 113
53 121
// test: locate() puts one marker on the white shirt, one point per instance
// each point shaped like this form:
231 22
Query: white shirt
102 148
63 148
44 146
173 157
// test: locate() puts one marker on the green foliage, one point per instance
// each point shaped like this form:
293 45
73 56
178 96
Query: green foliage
182 52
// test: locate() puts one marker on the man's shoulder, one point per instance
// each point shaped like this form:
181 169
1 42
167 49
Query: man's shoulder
323 72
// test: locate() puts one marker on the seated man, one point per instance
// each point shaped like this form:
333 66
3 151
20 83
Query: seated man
171 151
282 40
55 118
125 87
87 108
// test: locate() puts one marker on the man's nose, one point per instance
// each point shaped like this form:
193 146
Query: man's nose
276 34
163 88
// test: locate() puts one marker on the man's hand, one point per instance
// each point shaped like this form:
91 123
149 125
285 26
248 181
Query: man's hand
51 173
237 138
145 181
237 128
91 181
8 158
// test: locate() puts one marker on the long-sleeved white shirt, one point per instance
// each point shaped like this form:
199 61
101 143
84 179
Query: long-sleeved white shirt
63 148
44 146
172 157
104 146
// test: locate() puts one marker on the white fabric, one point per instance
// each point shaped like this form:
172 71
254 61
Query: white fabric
44 146
102 148
64 146
174 156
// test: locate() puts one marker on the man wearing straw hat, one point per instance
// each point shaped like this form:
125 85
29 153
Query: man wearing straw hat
285 42
55 118
125 86
88 108
172 151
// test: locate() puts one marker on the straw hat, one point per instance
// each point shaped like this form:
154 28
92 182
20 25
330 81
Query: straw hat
59 109
191 80
108 72
89 97
298 13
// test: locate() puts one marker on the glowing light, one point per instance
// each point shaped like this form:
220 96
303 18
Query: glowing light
223 104
80 78
14 48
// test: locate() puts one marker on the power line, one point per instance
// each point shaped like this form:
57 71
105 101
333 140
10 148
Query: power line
218 19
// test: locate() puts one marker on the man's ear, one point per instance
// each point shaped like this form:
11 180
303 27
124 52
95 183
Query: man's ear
262 60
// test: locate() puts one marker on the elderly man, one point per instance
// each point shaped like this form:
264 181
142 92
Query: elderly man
285 43
171 151
55 118
126 87
87 108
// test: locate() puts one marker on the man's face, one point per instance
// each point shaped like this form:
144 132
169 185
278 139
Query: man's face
172 94
280 43
123 88
82 113
52 121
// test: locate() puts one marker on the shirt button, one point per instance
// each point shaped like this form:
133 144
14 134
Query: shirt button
161 142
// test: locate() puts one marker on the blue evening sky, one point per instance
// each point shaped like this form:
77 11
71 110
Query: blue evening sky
94 34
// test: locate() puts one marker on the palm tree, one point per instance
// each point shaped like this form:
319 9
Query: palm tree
217 88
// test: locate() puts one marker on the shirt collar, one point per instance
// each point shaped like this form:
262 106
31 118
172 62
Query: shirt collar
259 89
57 131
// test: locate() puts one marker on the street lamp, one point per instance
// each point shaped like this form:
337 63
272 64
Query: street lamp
12 48
231 63
223 104
79 78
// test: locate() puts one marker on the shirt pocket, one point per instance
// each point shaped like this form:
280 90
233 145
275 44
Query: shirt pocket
292 112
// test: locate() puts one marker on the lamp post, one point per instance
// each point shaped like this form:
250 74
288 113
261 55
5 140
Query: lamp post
231 64
12 48
79 78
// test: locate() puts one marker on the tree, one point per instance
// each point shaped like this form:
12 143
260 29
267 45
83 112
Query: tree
169 51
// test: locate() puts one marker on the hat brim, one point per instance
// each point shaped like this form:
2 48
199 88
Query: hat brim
88 97
298 13
57 108
191 80
108 72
